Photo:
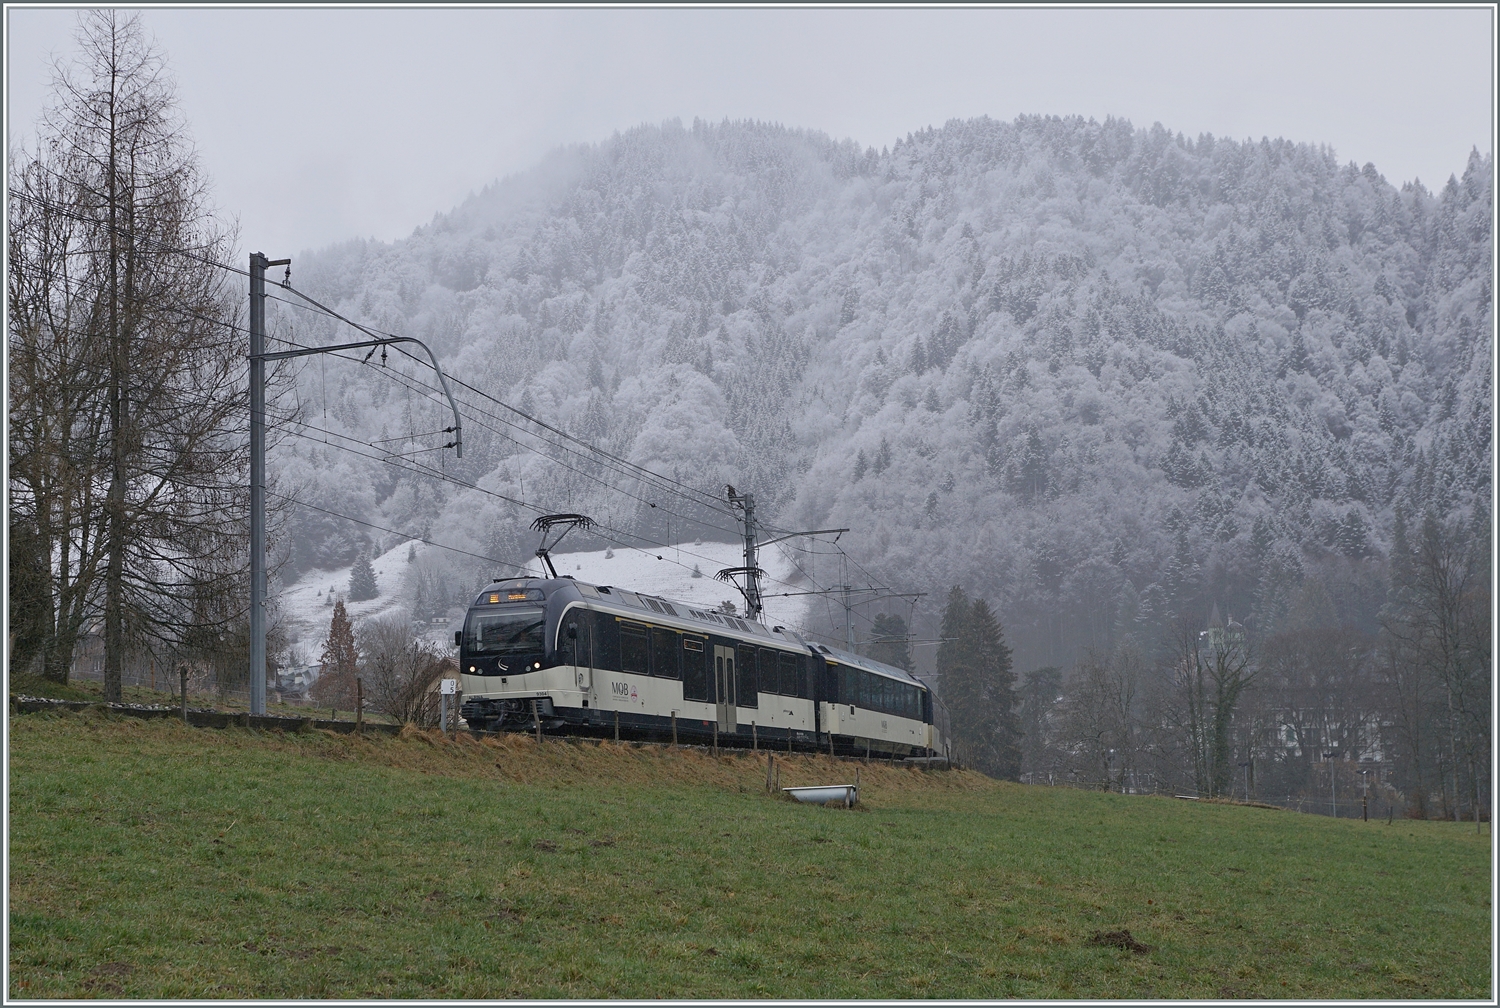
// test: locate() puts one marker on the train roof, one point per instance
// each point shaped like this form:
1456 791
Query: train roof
868 664
646 604
649 604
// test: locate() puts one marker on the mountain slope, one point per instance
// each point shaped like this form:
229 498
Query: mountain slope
1101 374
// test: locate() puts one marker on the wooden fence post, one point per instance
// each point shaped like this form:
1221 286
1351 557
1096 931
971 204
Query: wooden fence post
359 705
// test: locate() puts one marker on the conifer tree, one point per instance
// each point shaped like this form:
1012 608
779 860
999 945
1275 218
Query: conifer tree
340 660
362 584
978 685
889 643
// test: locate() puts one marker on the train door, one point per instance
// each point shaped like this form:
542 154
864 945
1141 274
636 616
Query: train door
580 628
724 683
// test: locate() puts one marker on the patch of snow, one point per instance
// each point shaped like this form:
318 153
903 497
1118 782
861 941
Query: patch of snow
305 615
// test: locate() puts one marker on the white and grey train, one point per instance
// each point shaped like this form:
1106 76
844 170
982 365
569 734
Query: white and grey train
572 657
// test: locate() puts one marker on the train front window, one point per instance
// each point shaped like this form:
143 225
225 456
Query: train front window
512 632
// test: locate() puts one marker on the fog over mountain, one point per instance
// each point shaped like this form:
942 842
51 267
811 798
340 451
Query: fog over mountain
1102 375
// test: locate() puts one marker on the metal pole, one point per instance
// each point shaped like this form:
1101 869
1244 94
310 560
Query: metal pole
258 264
752 580
443 713
848 611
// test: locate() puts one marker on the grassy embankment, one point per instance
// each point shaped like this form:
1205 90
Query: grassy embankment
151 860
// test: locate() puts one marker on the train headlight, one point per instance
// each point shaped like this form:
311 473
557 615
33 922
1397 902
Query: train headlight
537 665
471 668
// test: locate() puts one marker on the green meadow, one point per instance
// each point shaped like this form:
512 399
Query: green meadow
153 860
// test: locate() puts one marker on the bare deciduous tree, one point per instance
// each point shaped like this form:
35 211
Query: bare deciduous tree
400 671
1211 674
1438 633
127 386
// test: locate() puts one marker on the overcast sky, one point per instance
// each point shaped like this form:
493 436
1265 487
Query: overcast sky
322 125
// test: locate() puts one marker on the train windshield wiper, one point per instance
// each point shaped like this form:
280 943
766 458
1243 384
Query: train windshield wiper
506 633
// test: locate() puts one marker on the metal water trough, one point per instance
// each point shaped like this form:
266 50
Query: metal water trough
825 793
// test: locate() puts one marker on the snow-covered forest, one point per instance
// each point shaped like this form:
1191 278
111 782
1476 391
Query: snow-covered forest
1101 375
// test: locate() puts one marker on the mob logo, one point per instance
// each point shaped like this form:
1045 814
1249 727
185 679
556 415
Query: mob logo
621 689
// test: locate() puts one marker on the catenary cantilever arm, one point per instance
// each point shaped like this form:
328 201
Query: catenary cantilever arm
458 423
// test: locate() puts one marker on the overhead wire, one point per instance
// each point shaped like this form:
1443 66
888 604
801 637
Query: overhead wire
663 483
431 392
419 468
382 528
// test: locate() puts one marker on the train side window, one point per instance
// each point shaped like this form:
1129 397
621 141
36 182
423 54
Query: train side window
828 678
770 679
665 653
789 676
576 648
763 683
694 669
606 642
634 649
747 681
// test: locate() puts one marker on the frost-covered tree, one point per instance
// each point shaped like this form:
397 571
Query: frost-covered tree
362 584
890 642
978 685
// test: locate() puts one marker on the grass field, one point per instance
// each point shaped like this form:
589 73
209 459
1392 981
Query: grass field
152 860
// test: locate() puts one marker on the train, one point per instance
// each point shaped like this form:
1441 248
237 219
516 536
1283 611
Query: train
568 657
